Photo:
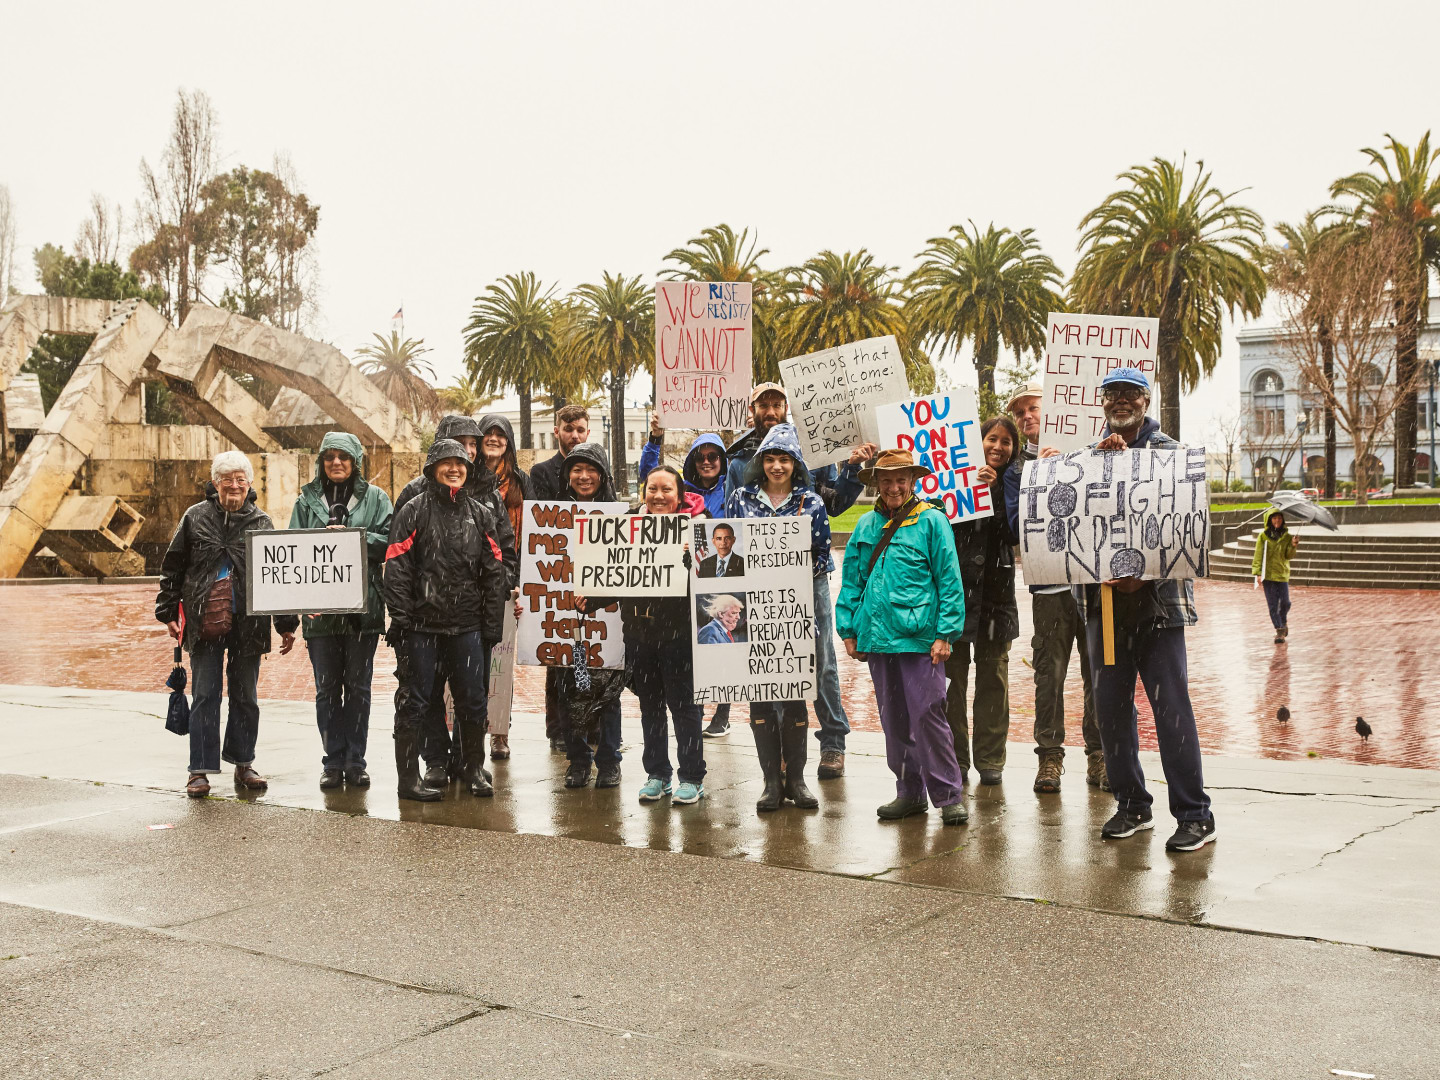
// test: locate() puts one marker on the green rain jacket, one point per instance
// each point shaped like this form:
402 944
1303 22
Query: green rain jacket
369 510
1273 555
914 596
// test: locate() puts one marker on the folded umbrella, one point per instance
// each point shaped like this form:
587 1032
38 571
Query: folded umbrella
177 717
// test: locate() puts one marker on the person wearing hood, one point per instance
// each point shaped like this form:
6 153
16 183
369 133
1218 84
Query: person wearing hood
342 647
438 746
203 572
1274 548
1150 619
512 486
660 662
838 491
777 484
902 604
446 587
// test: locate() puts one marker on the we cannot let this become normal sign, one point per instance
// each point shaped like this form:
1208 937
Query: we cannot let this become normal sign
306 572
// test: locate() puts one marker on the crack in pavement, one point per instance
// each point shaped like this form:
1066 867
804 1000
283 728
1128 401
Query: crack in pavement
1349 844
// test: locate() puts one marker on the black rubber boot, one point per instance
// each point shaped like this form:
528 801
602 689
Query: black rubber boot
767 744
407 764
792 737
472 757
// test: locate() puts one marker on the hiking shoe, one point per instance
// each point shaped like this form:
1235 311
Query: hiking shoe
1047 778
1127 823
499 747
577 776
832 765
687 793
717 729
990 777
654 788
896 809
609 776
954 814
1192 835
1095 774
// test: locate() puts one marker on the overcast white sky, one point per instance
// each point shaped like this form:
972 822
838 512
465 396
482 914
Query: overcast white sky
449 144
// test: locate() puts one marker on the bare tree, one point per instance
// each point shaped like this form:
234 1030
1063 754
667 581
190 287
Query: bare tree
98 238
168 214
7 244
1227 432
1354 285
1272 442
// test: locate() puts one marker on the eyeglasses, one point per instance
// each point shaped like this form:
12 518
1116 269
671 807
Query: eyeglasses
334 456
1122 393
708 459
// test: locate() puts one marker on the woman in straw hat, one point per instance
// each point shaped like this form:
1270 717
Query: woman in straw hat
901 604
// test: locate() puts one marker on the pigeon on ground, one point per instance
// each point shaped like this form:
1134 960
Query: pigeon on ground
1282 714
1362 729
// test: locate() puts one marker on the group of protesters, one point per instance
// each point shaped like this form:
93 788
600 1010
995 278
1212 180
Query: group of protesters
920 601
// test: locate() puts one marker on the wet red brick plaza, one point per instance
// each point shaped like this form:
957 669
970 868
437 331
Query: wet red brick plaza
1351 652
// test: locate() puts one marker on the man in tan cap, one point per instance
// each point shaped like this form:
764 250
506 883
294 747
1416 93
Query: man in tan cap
1059 627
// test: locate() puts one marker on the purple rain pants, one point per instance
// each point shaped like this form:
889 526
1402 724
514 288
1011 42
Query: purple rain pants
919 746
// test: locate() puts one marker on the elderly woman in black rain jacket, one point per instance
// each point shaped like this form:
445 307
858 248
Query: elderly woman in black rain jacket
445 586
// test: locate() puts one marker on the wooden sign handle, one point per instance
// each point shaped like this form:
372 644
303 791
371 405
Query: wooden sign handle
1107 622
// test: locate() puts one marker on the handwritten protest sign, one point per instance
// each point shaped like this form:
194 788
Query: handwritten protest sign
943 430
1092 515
1080 350
753 625
502 674
549 624
702 354
306 572
634 555
833 394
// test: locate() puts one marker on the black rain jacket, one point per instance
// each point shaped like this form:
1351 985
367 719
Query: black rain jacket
985 548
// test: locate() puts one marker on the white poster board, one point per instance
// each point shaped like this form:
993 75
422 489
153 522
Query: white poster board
630 555
502 674
1080 350
549 624
702 354
306 572
833 394
753 632
1092 515
943 431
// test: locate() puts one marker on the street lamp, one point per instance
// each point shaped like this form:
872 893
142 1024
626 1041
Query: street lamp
1430 411
1302 424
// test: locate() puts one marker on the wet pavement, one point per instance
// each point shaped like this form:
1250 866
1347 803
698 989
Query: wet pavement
1351 652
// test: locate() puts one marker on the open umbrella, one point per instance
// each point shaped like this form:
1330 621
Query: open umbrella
177 716
1296 506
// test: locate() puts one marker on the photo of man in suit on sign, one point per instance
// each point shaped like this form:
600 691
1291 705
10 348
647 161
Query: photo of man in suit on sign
722 563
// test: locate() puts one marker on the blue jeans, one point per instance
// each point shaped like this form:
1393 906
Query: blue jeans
242 726
662 675
829 709
1158 656
344 665
464 658
1277 598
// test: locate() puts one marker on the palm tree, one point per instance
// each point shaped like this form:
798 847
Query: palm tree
461 396
511 341
1157 250
718 254
993 288
616 330
835 299
396 368
1405 198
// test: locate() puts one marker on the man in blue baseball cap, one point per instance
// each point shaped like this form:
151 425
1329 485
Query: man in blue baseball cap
1150 621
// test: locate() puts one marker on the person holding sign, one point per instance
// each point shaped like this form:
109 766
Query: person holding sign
1150 619
342 647
902 602
704 469
204 571
446 589
778 484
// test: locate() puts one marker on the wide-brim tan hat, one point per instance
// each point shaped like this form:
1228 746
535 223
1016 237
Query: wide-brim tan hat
1034 388
893 461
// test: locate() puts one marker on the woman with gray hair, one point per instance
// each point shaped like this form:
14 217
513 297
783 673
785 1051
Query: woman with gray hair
723 610
203 573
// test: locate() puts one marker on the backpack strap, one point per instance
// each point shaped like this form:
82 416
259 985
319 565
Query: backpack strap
891 527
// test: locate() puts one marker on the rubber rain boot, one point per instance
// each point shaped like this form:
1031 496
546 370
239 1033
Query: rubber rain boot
472 757
767 745
794 742
407 764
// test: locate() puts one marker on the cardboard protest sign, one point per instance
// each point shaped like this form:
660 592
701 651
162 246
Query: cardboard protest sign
306 572
632 555
502 673
1080 350
943 430
549 624
833 394
702 354
753 618
1093 515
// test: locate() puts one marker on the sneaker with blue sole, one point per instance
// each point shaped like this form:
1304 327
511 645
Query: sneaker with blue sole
655 788
687 793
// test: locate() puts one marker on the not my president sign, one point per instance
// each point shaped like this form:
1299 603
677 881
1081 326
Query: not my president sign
630 555
305 572
753 618
1094 515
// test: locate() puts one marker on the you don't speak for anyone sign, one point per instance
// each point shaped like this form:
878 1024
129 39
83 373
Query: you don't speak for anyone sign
630 555
306 572
1094 515
550 626
833 394
702 354
943 431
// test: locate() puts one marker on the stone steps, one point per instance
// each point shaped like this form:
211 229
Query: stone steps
1343 562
